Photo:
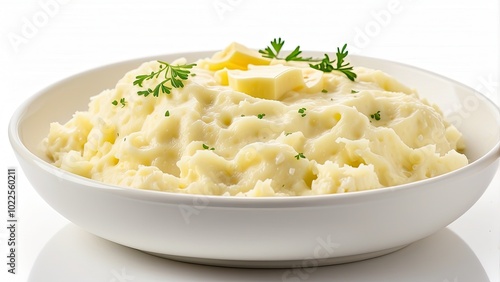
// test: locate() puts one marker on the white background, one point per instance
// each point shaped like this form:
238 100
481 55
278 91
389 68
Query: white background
44 41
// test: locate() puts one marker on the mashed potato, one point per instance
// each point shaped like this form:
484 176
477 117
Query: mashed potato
303 132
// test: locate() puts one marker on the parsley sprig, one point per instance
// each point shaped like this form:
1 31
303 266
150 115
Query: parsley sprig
173 75
324 65
327 66
276 45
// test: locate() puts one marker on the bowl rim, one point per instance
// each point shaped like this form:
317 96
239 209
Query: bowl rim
166 197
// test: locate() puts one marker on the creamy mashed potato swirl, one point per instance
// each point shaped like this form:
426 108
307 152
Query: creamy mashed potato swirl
332 135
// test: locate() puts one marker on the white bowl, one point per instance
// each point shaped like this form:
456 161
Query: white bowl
261 232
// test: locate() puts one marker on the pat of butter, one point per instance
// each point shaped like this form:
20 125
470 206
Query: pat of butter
268 82
313 80
235 56
220 77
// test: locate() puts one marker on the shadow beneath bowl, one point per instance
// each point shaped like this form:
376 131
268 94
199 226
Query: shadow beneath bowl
73 254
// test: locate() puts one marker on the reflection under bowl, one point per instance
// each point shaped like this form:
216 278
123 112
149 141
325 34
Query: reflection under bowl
71 252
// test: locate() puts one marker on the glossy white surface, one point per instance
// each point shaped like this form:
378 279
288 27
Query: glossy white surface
443 255
439 36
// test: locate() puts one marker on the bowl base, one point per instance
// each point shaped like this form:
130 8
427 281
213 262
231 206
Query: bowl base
278 263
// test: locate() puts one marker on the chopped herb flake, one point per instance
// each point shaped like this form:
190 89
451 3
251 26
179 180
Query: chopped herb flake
206 147
302 112
376 116
123 102
300 156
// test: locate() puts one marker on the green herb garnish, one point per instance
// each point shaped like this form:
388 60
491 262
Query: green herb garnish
324 65
123 102
206 147
260 116
302 112
300 156
376 115
272 52
173 78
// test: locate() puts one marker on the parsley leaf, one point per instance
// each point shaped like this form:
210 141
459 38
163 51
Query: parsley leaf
173 75
276 45
326 65
294 56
